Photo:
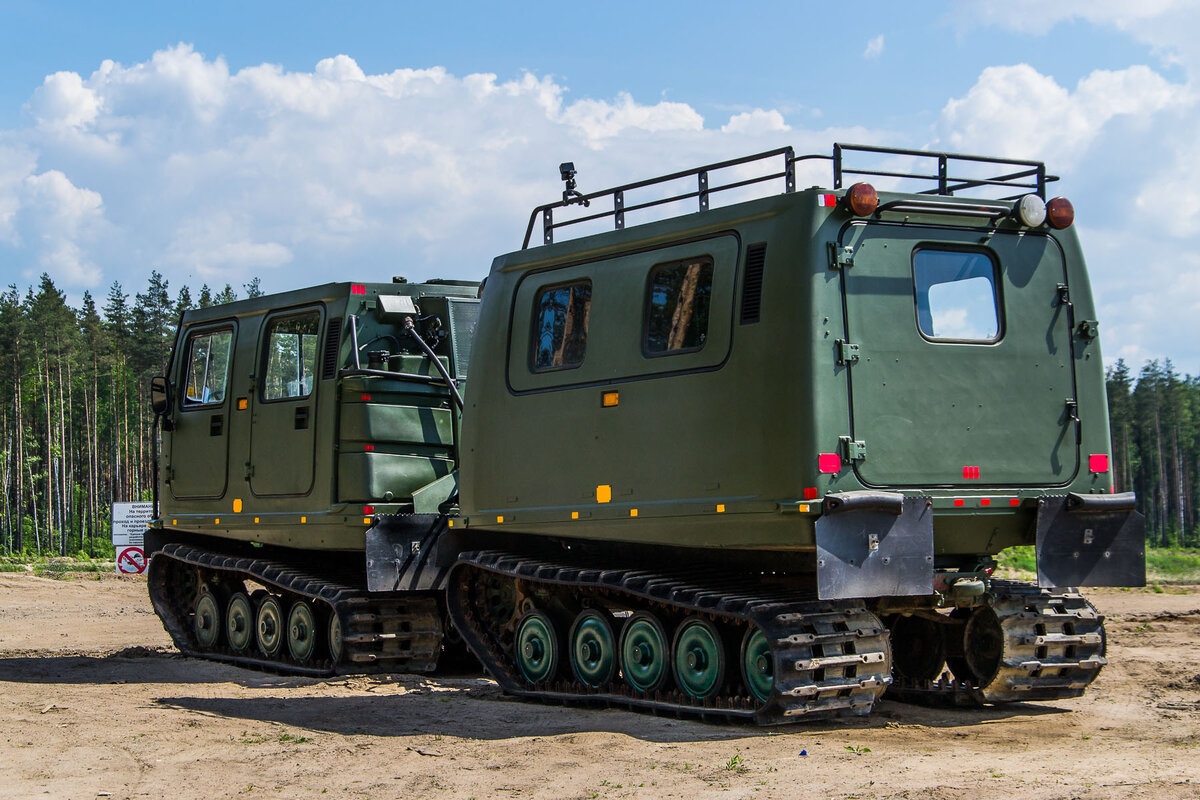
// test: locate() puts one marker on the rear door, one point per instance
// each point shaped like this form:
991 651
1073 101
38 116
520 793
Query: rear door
283 440
965 374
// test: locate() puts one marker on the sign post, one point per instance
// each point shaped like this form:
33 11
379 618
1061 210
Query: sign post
129 522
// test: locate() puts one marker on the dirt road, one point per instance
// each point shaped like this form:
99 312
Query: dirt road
95 703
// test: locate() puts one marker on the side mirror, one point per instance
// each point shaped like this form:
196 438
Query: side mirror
160 395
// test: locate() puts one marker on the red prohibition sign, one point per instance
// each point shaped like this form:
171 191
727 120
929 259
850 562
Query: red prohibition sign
131 561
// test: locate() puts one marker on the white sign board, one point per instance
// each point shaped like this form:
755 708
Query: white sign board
129 523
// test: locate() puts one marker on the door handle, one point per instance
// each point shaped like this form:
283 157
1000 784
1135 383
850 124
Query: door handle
216 425
302 418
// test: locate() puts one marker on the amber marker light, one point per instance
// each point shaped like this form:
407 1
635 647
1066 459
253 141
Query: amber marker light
1060 213
863 199
610 399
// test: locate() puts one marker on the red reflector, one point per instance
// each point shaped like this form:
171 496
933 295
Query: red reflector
1014 502
958 502
369 448
366 398
368 510
358 288
810 493
1098 463
971 473
829 463
985 502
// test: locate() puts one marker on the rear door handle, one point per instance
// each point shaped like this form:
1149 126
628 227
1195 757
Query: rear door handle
302 418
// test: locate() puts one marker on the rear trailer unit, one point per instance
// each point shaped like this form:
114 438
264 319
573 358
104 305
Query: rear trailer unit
748 459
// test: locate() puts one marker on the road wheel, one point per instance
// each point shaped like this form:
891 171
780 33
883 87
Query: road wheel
593 649
239 622
536 646
645 655
207 619
302 631
758 666
269 626
699 658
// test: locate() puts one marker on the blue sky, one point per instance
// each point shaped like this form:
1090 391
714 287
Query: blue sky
304 142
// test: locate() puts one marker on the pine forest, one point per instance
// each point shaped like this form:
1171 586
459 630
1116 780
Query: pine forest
76 430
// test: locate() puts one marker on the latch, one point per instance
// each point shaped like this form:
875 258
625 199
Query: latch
1088 329
1072 410
1064 295
852 449
840 257
847 352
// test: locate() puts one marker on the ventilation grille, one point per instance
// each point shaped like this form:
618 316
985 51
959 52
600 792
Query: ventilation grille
756 258
333 339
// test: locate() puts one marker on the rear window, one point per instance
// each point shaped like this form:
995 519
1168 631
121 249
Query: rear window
956 295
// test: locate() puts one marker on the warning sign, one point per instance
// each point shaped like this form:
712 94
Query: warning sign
131 561
129 523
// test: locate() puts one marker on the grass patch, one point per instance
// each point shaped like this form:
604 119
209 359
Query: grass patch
1164 565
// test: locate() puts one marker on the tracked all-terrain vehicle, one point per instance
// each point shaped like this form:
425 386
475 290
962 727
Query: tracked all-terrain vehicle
745 462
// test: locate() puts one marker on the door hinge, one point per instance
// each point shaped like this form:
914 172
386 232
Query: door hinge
847 352
168 474
1088 329
249 470
852 449
1072 410
840 257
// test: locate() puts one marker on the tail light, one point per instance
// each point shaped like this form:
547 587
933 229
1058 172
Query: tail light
1060 213
1031 210
863 199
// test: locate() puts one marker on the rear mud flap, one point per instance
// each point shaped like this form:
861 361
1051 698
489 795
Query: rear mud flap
400 553
872 544
1090 540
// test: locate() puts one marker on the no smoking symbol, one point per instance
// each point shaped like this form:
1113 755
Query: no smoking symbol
131 561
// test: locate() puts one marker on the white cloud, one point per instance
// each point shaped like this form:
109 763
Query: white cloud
1016 111
302 177
874 47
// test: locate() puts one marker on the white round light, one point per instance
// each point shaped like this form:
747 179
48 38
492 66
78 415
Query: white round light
1031 210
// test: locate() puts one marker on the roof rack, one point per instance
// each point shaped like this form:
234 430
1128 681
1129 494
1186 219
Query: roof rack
1030 176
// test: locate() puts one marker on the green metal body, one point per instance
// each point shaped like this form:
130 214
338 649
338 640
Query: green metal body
302 471
718 447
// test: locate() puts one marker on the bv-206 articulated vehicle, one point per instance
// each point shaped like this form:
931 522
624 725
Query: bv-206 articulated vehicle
744 462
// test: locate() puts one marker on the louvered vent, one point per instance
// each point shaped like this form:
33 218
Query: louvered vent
333 338
756 258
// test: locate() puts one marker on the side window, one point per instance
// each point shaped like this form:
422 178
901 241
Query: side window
560 319
291 352
956 295
207 368
677 303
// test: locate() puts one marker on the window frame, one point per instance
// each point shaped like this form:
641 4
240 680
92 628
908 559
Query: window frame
535 319
664 265
265 356
997 293
185 370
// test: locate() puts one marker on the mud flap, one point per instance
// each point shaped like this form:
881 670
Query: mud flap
400 551
1090 540
872 544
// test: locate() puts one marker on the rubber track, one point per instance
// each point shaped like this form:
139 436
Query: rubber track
380 633
830 657
1053 648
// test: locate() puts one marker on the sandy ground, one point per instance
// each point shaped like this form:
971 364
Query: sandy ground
94 702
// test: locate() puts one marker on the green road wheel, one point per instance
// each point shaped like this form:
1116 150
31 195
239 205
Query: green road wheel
302 631
758 667
699 658
536 647
593 649
207 619
335 637
269 626
644 652
239 622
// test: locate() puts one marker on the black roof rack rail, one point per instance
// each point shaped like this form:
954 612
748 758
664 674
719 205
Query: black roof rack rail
1030 176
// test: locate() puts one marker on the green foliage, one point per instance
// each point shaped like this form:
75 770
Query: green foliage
1163 565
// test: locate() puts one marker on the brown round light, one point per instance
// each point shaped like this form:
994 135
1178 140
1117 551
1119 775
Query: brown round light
863 199
1060 213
